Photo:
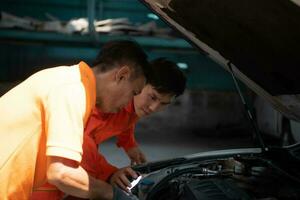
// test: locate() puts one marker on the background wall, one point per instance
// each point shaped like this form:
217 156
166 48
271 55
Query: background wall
209 103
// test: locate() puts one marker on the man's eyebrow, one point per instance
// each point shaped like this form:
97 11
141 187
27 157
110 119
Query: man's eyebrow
167 102
157 95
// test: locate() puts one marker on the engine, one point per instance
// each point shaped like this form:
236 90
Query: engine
226 179
211 189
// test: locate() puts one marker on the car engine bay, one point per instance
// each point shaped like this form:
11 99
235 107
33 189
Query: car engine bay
228 178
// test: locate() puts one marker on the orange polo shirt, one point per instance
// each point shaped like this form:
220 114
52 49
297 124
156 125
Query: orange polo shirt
102 126
99 128
43 116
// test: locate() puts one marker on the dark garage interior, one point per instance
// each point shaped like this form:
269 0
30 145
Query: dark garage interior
209 109
209 116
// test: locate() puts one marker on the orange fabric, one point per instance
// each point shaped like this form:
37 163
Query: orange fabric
93 162
41 194
89 83
37 120
100 127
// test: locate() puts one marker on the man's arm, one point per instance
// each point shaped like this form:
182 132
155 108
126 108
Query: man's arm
72 179
127 140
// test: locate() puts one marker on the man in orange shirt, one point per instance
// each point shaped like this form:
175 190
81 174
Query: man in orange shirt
167 83
43 118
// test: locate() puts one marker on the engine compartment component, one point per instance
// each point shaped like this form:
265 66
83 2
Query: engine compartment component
211 189
230 178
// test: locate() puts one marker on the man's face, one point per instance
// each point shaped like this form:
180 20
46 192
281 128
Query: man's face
150 101
121 90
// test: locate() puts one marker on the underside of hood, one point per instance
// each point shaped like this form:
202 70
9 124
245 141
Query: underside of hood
260 39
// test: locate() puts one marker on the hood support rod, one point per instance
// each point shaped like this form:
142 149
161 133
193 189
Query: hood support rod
249 115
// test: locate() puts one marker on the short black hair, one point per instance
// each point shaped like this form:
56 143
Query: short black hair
167 77
123 52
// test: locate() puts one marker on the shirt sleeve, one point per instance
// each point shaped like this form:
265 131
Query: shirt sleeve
94 162
65 109
126 139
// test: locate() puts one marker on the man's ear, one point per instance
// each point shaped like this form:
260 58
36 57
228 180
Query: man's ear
123 73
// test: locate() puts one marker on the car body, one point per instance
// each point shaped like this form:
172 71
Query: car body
258 42
275 124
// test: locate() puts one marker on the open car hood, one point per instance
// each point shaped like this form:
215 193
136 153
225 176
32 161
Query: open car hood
259 39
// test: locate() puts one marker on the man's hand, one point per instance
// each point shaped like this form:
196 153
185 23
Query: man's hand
120 178
136 156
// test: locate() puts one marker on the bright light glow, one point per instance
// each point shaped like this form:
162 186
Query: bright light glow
152 16
182 65
135 182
